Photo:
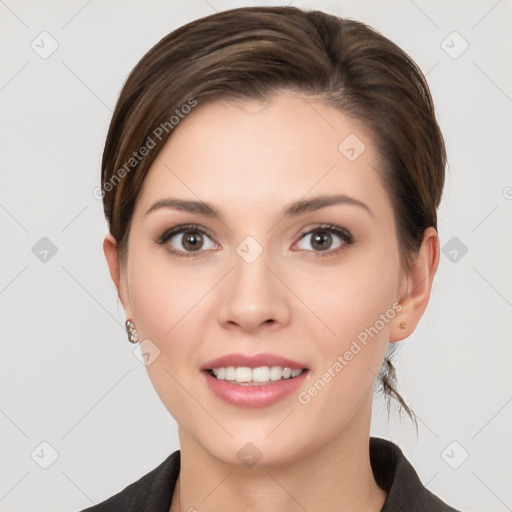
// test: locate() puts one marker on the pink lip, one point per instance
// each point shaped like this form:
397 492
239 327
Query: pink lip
254 361
253 397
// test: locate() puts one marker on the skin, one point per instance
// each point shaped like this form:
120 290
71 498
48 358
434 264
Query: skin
251 159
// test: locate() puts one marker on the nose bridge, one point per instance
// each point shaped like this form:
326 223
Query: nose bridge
252 295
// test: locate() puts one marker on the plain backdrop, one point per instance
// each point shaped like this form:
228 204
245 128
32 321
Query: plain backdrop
79 417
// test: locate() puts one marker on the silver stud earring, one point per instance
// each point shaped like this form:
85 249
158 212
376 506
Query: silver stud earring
133 336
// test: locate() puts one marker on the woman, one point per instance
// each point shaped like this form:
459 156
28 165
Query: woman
270 181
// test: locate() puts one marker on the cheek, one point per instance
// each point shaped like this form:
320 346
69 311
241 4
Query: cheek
160 297
355 301
162 293
358 308
353 295
169 311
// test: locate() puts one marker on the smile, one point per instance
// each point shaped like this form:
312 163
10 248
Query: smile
252 394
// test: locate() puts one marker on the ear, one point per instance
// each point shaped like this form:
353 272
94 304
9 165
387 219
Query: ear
111 254
418 283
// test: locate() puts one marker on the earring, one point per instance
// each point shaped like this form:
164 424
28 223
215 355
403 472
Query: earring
402 325
133 336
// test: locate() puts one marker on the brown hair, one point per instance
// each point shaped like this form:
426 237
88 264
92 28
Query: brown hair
255 51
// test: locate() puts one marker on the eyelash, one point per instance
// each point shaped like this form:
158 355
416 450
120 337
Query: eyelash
166 235
342 233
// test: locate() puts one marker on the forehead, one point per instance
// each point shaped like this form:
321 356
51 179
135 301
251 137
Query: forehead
248 152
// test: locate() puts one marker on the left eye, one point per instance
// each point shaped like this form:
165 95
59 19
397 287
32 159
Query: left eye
323 239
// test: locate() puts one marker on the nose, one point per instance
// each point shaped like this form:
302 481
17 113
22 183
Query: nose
252 297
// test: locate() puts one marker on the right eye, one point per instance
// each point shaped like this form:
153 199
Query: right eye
186 241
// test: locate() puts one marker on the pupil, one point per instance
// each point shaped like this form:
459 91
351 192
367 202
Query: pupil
192 240
322 240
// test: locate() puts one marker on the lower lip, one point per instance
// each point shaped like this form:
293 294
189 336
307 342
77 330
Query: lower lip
253 397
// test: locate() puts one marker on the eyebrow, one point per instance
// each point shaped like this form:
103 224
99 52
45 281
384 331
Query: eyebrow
294 209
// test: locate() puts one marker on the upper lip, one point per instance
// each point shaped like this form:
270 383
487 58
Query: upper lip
254 361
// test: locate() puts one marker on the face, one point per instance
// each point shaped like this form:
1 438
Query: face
275 271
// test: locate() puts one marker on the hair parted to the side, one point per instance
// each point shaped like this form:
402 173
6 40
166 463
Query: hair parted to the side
255 51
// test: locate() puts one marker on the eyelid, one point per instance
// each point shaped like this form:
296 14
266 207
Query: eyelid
341 232
184 227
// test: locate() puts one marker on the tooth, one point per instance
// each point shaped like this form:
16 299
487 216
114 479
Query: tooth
243 374
261 374
275 373
230 373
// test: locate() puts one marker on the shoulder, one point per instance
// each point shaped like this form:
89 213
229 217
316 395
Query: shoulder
153 491
395 474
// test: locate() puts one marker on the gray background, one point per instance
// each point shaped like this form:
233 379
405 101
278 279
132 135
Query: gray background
69 377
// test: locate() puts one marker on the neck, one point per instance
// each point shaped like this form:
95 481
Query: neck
336 476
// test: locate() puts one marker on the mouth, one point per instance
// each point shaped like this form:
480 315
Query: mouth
254 381
254 388
259 376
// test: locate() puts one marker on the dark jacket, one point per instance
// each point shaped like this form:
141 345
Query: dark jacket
392 471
